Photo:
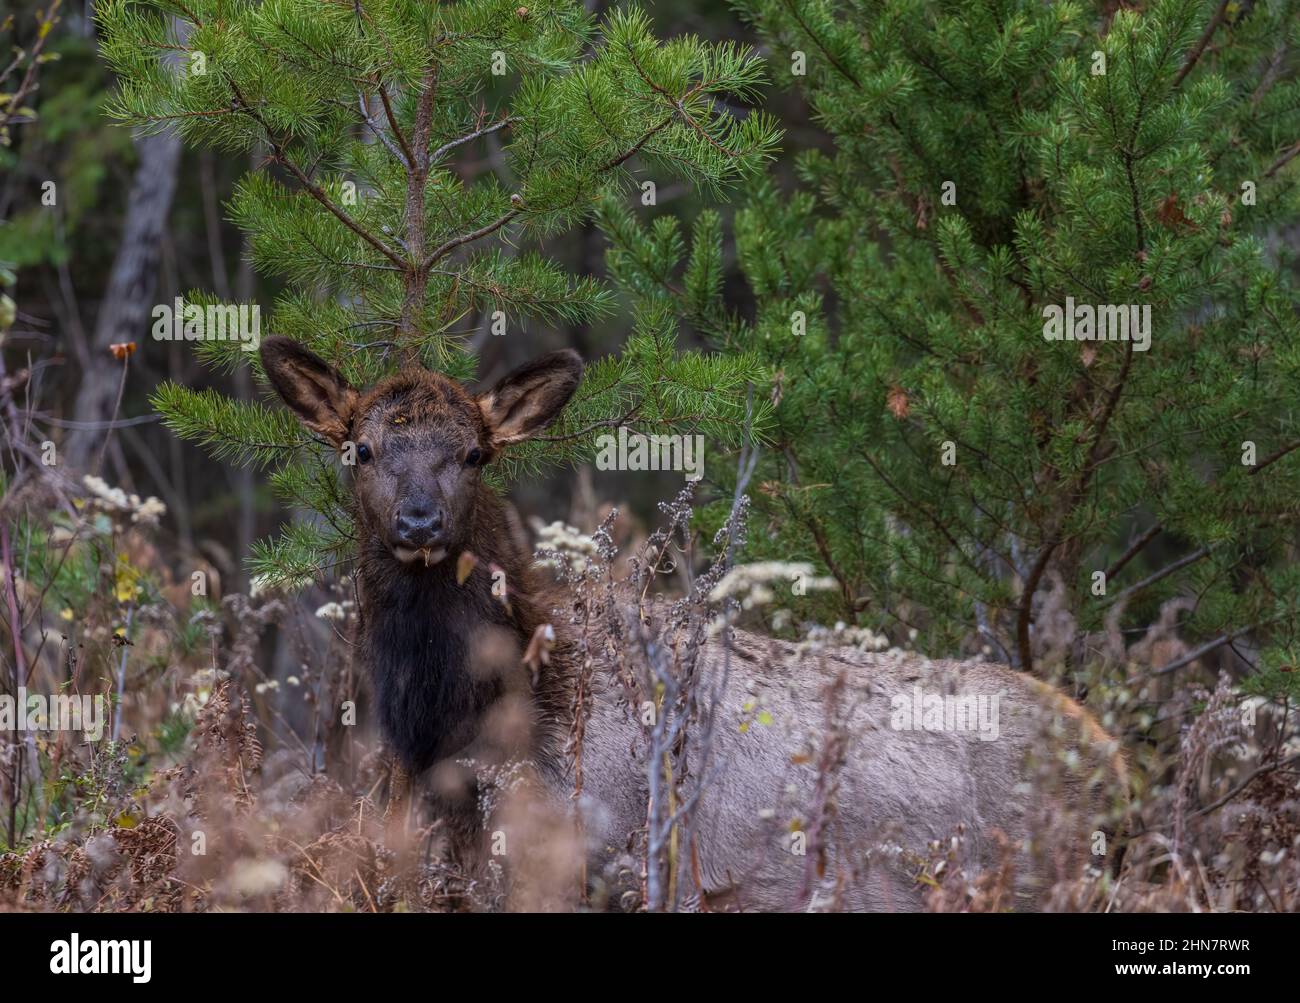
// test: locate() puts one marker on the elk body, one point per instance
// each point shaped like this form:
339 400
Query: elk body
451 686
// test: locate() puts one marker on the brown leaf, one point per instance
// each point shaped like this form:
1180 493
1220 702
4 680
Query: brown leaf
464 565
538 654
897 402
1171 215
1088 354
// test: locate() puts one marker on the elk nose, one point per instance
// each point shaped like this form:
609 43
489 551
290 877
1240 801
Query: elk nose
419 525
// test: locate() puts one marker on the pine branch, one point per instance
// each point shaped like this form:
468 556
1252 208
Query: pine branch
313 189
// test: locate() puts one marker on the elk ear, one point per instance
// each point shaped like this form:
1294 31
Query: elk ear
528 399
310 386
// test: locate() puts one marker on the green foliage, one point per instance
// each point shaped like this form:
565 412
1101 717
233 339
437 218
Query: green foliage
55 133
247 433
388 242
896 322
172 734
302 554
74 576
650 385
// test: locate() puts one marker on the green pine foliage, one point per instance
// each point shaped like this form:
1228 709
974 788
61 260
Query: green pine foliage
366 113
51 88
1143 157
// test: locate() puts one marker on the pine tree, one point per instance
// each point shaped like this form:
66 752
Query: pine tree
385 243
932 449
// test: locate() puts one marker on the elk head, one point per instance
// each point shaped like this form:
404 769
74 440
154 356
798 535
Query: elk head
417 442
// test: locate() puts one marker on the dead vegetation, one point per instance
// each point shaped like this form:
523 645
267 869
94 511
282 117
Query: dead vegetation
236 780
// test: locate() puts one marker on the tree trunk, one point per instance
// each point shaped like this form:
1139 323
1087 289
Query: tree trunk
129 296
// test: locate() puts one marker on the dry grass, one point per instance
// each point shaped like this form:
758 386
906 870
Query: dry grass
234 785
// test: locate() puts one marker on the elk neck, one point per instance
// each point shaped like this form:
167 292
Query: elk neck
442 652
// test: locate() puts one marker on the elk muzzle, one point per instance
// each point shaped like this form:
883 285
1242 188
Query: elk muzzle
419 533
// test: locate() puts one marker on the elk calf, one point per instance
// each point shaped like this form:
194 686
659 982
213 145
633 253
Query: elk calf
446 660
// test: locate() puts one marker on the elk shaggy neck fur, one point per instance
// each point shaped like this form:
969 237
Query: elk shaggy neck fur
419 631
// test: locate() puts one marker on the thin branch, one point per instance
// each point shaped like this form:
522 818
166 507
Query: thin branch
378 132
29 85
1205 649
1134 549
622 158
1282 161
312 188
1281 764
1199 48
455 242
843 71
1273 458
392 124
1164 572
443 150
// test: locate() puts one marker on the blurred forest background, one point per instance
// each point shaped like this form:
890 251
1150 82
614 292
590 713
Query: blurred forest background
141 222
943 170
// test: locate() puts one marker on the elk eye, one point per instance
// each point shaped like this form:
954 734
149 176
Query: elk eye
363 453
474 457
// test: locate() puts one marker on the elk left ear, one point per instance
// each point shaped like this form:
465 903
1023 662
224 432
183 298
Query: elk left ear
528 399
315 390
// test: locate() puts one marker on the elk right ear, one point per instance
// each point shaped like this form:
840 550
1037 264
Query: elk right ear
531 397
322 398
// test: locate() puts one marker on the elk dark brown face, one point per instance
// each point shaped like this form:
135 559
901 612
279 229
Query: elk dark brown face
419 451
417 442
